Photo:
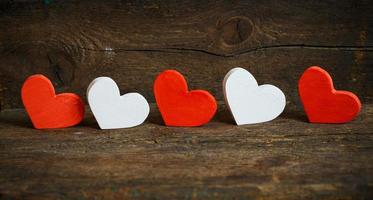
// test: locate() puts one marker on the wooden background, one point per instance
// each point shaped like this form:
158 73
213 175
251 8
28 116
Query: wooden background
73 42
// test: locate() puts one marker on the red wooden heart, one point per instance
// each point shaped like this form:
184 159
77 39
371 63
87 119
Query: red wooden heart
321 102
180 107
48 110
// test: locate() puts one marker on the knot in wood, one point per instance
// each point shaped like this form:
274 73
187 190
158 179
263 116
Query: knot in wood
236 30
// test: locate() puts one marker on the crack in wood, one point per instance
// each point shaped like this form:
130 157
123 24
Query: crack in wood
57 71
234 54
248 51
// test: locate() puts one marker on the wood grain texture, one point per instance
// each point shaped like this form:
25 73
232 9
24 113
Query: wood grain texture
284 159
72 42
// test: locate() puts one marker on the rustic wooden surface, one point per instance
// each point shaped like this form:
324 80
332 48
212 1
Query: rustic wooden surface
283 159
73 42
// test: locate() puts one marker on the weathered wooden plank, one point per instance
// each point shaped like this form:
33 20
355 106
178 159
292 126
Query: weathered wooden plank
283 159
135 71
75 41
189 24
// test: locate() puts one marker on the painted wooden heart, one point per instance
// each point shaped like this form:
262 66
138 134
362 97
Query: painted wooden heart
113 111
248 102
180 107
48 110
321 102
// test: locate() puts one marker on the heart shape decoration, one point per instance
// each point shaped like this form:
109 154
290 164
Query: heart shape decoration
113 111
177 105
48 110
321 102
248 102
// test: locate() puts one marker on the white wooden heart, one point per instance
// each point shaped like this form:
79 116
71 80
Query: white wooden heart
113 111
248 102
